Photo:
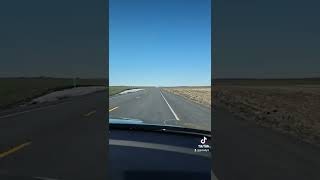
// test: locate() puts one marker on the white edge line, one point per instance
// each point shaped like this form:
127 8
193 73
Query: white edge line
175 115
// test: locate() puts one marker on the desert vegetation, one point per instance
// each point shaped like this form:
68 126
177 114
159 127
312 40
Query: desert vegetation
288 108
201 95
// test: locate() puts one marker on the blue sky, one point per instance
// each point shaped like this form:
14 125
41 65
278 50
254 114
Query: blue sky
160 42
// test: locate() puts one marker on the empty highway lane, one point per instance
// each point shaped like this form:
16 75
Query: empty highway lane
65 140
156 106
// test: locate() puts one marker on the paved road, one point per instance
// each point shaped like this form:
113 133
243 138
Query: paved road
245 151
153 105
65 140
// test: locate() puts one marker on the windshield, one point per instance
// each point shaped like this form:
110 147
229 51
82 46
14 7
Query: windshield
160 63
175 106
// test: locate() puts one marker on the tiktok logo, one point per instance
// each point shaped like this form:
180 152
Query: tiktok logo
203 141
203 147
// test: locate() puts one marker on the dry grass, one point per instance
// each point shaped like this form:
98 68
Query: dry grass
15 91
293 110
201 95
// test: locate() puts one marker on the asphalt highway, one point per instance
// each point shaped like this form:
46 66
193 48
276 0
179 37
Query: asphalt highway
156 106
65 140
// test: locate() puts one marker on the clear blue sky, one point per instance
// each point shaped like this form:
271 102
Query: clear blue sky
160 42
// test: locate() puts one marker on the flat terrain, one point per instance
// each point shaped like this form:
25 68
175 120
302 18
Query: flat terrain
117 89
266 129
266 82
16 91
56 140
245 150
157 106
201 95
291 109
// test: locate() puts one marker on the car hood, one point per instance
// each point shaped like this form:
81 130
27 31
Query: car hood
168 126
131 121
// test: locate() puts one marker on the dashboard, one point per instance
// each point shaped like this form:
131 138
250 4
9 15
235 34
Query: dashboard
158 155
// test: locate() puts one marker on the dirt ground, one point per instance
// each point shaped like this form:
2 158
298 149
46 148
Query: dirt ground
289 109
293 110
198 95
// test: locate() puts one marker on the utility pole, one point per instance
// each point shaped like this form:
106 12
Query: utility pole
74 82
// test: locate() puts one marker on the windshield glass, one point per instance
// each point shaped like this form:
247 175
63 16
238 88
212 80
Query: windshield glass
163 106
160 62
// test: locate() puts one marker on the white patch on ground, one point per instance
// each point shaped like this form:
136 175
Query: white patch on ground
131 91
78 91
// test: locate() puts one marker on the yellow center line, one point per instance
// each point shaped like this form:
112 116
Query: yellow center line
17 148
90 113
113 108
